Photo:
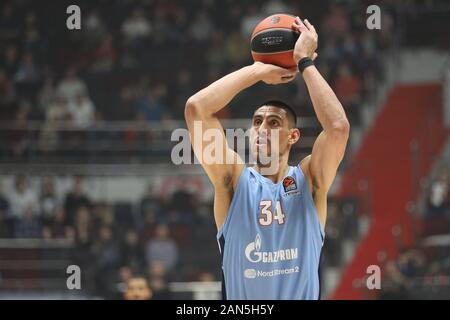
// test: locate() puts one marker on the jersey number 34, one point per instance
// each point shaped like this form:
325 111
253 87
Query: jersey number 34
267 216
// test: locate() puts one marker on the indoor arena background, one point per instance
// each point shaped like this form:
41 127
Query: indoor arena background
86 118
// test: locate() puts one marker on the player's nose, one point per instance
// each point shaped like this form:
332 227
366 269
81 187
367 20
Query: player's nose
264 127
263 132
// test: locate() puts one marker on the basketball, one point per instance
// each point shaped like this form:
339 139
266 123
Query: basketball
273 40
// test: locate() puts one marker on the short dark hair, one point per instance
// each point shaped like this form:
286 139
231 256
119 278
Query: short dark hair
292 116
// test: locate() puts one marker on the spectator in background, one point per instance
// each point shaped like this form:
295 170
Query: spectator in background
275 6
347 87
202 27
48 199
57 224
7 96
183 88
336 23
32 35
27 76
370 62
158 281
330 53
93 26
123 274
56 111
162 249
349 47
5 215
75 199
148 225
125 108
136 27
29 225
150 203
138 289
55 115
107 258
132 253
9 24
150 105
236 48
333 253
20 135
184 202
46 94
435 275
46 233
10 59
250 20
104 55
394 283
81 111
23 198
410 270
71 86
178 27
103 214
411 263
216 56
438 200
27 71
161 27
84 228
205 295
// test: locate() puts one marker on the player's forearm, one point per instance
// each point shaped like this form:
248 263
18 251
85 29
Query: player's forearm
328 109
217 95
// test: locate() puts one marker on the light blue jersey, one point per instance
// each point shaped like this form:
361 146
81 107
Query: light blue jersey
271 240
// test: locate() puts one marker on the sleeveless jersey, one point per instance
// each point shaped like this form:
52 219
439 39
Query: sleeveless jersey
271 240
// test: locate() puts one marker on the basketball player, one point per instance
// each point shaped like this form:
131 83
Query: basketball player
271 226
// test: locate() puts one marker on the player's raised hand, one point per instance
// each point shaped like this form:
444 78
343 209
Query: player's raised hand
272 74
306 44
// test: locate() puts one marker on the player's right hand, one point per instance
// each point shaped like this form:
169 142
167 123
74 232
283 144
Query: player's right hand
272 74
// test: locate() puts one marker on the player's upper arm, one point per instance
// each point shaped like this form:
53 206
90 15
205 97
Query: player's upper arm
222 165
327 153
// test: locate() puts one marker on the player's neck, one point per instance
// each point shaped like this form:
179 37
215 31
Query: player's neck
283 169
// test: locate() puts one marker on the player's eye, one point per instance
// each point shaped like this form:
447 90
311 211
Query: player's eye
257 122
275 123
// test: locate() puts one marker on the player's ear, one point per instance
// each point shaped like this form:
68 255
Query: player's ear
294 136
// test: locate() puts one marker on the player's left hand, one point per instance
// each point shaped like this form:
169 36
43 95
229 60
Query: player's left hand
272 74
306 44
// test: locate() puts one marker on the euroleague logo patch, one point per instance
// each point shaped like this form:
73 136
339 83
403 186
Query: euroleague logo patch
289 184
275 19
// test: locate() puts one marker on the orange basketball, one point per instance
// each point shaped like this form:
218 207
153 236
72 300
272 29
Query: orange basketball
273 40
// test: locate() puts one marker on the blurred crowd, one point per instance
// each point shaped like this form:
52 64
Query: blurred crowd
140 61
113 242
423 271
417 273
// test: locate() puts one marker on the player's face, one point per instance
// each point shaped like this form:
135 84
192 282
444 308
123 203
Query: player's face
270 131
137 289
